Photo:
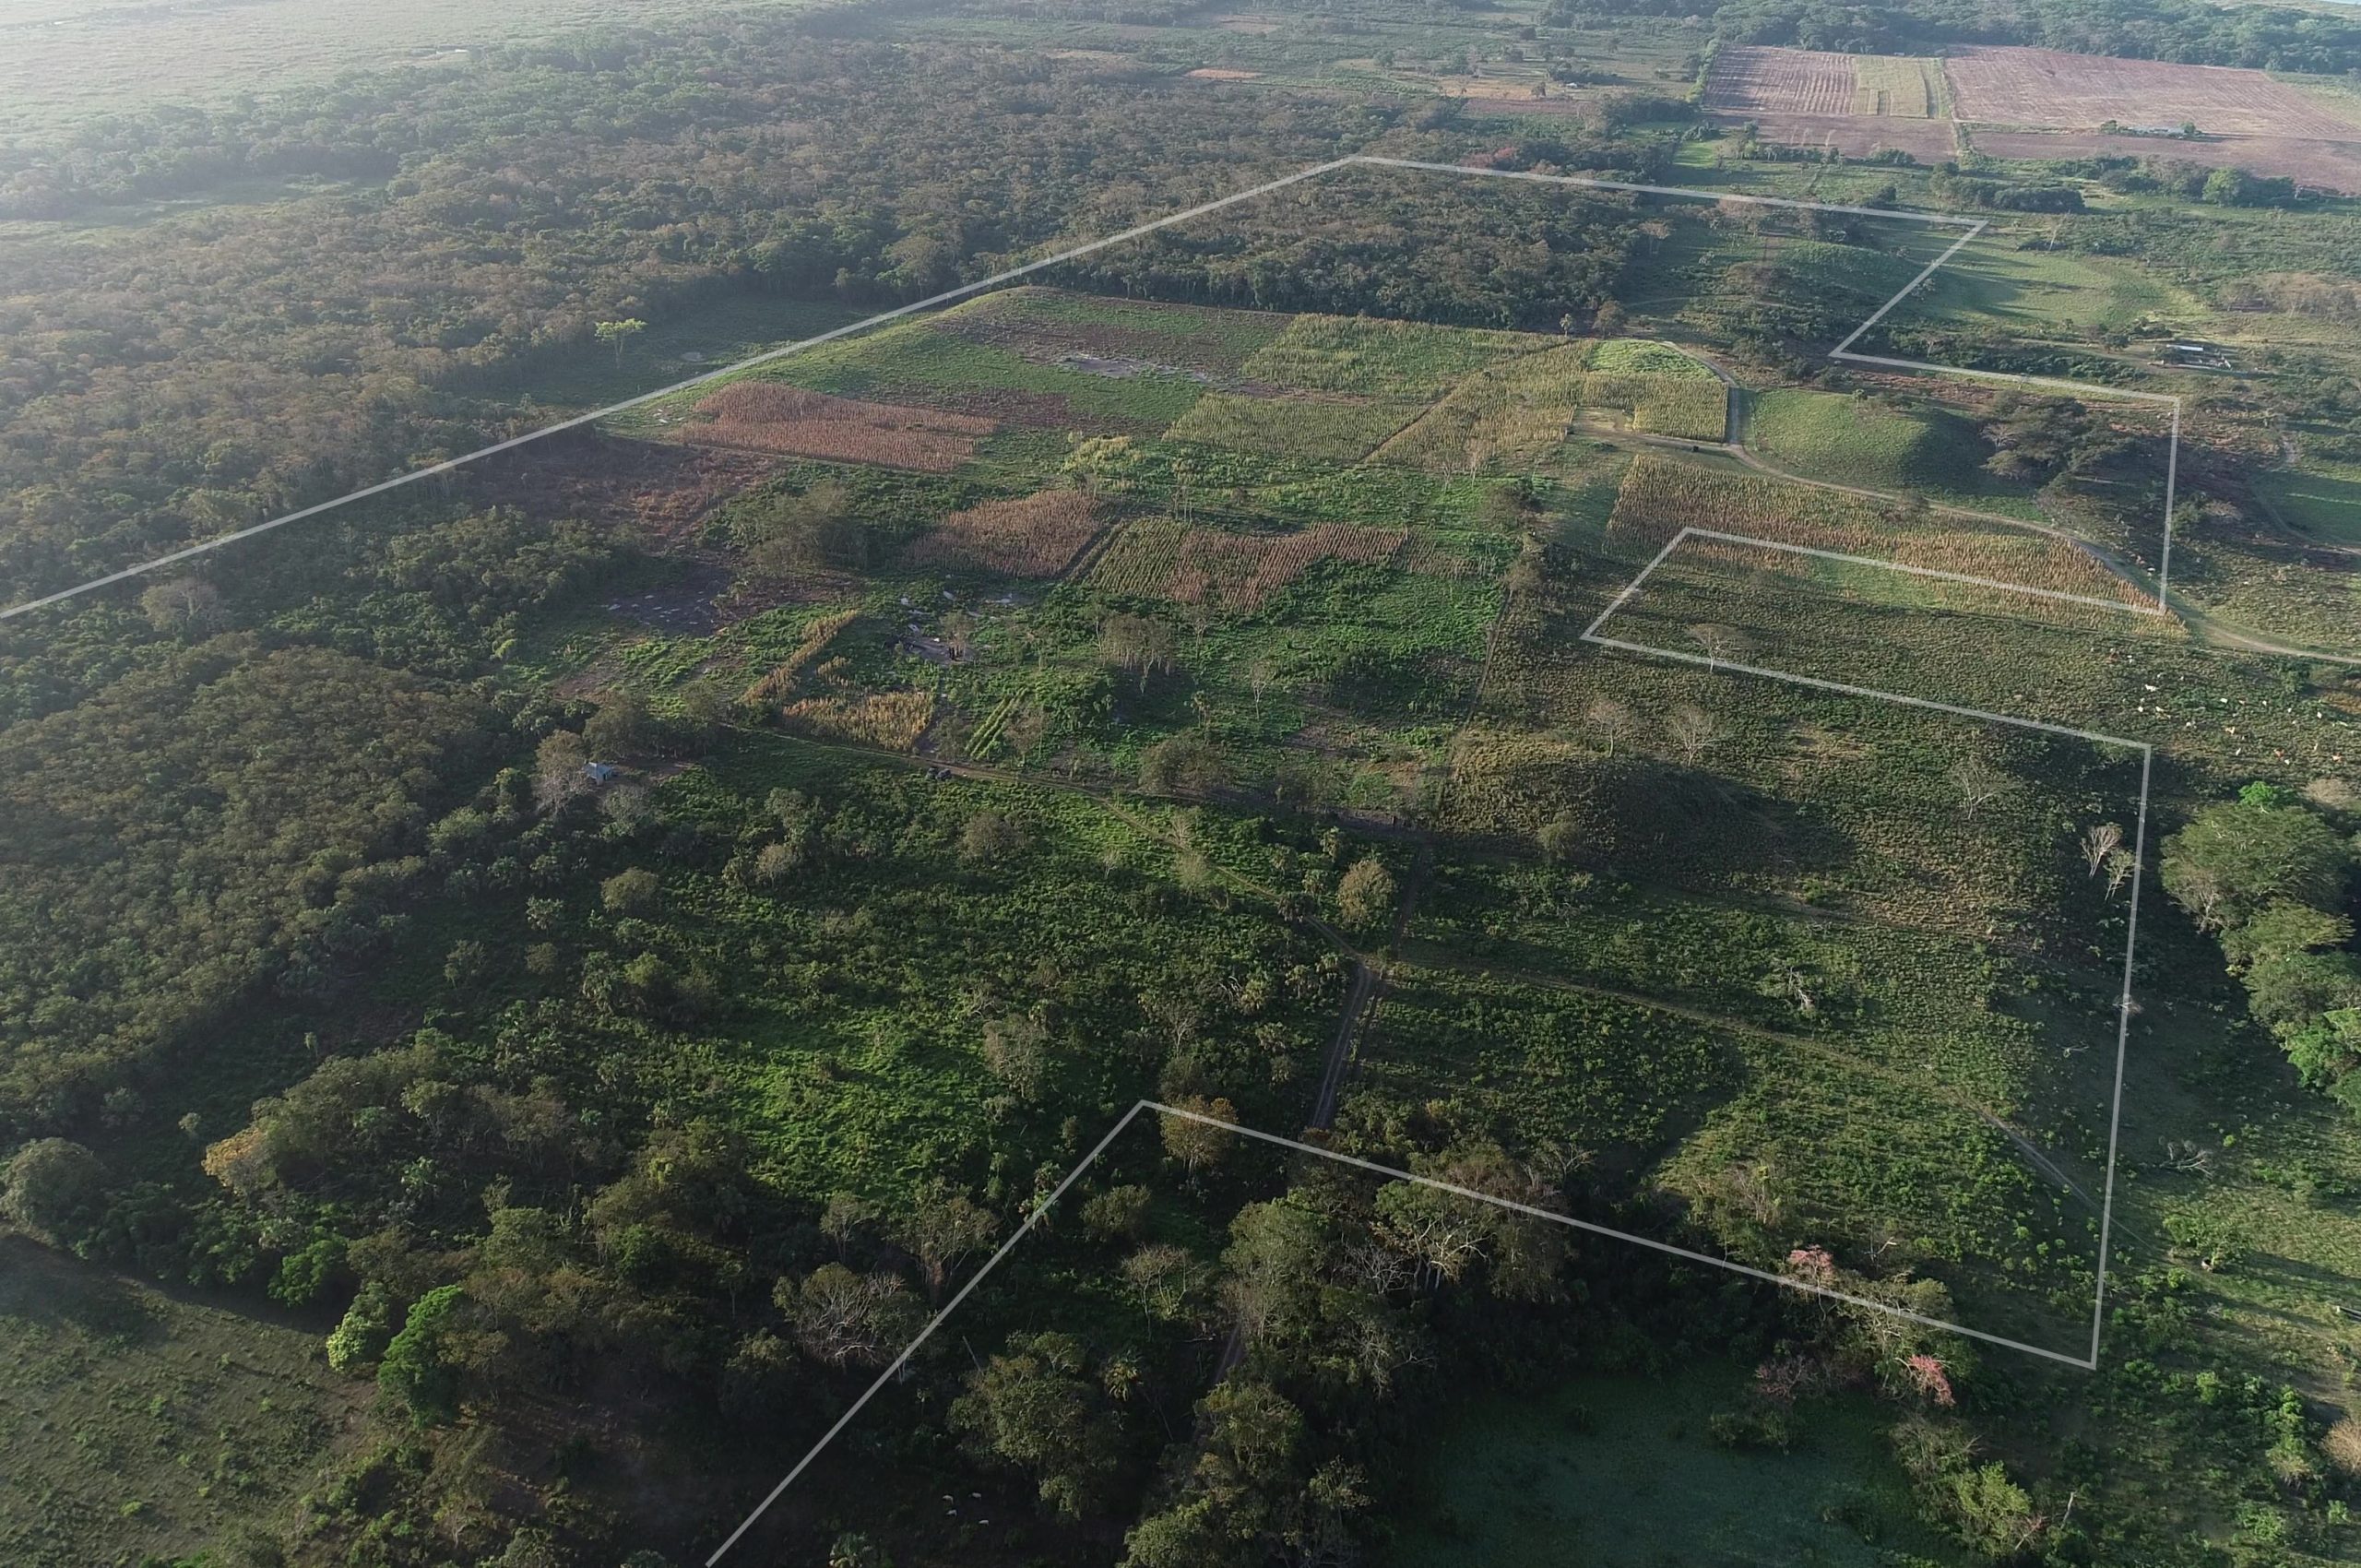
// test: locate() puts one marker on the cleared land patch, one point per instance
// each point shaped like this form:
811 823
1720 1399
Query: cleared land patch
760 416
1781 81
1399 359
1164 558
2045 90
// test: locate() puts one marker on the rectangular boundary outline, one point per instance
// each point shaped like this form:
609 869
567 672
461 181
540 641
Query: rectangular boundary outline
2147 753
1842 352
1040 1211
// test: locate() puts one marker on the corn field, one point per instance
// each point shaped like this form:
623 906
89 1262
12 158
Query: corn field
1034 536
893 721
770 688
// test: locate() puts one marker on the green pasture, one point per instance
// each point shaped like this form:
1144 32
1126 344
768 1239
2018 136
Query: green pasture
1622 1471
1849 439
1998 279
141 1426
2321 504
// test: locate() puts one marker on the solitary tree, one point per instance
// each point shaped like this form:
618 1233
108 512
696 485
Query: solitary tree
2099 841
1693 730
615 334
1722 644
1194 1143
54 1190
1365 896
1978 782
944 1227
1611 721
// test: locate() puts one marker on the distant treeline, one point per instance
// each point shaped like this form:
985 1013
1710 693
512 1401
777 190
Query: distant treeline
2271 37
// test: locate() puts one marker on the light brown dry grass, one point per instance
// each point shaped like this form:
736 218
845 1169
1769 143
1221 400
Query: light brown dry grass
893 721
1034 536
762 416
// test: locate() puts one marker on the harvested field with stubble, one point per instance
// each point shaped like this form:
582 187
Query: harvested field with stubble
762 416
1034 536
1660 497
2043 89
1781 81
1165 558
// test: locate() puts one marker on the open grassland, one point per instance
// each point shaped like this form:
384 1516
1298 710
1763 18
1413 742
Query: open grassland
1055 325
1998 280
1512 415
1627 1471
920 362
1328 428
140 1428
1393 359
2321 504
1531 1065
1921 450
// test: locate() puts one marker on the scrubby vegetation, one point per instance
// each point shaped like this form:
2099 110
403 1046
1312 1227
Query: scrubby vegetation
581 959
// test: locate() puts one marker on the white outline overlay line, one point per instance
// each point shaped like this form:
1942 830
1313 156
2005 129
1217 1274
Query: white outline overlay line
2124 1006
1842 352
1920 571
1041 1210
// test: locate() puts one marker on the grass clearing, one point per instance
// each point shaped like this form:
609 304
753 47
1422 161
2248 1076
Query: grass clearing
1624 1471
1395 358
1317 429
1850 439
140 1427
2323 503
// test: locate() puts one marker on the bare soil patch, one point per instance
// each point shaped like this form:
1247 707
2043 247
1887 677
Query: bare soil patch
2328 165
1781 81
1035 536
2043 89
1220 74
761 416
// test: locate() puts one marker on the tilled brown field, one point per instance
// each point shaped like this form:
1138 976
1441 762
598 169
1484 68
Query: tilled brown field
2043 89
1781 81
